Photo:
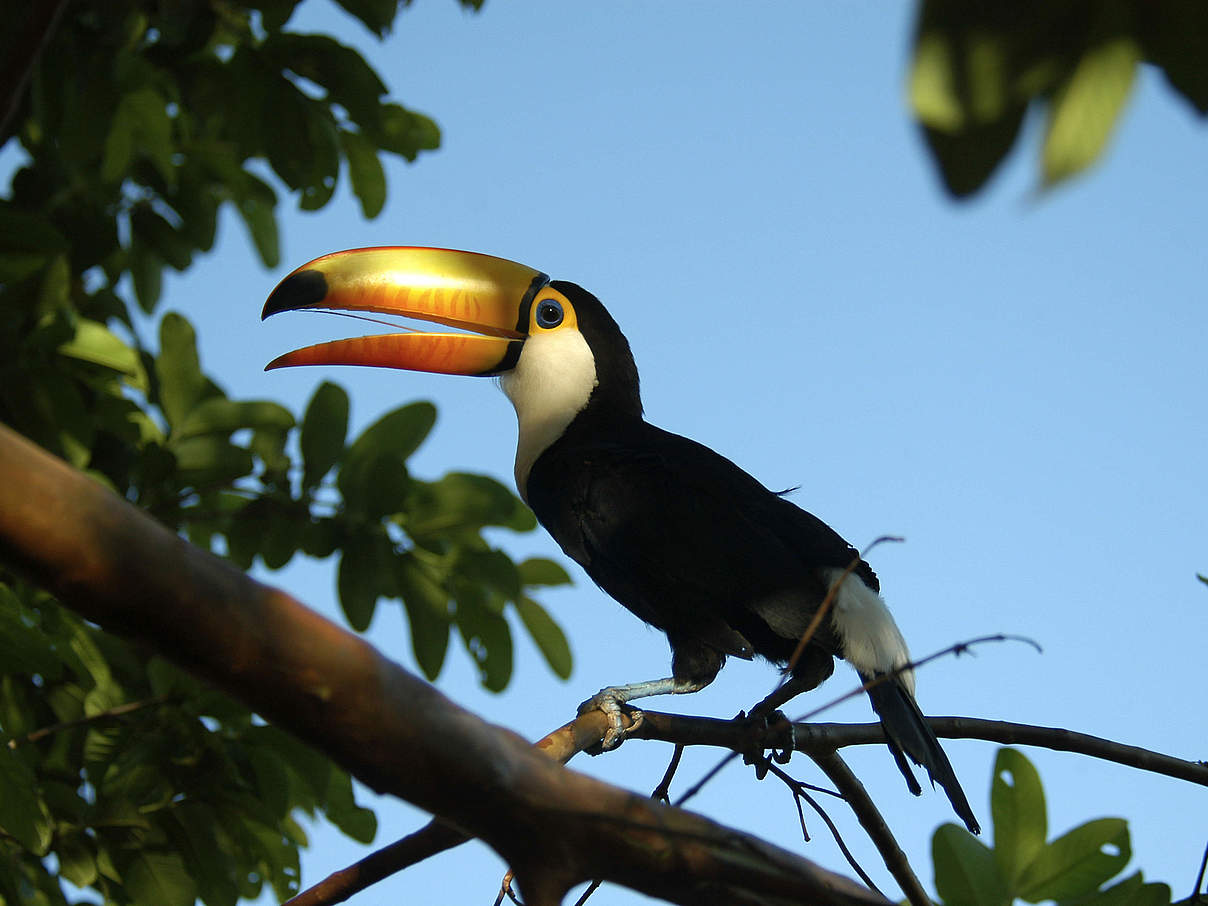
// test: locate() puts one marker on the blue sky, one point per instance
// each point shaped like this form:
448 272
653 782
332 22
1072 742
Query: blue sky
1015 385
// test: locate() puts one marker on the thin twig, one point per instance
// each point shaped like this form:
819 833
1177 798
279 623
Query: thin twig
109 713
874 825
1199 879
799 793
662 792
824 608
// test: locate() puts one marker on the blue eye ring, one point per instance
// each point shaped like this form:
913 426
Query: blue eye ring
549 313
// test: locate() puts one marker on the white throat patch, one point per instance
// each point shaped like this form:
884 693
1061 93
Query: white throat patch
549 386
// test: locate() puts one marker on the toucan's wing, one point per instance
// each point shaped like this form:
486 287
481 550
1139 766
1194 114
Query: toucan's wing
685 539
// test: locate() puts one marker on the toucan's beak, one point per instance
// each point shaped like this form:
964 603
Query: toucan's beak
490 296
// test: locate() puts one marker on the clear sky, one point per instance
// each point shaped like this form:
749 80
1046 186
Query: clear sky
1015 385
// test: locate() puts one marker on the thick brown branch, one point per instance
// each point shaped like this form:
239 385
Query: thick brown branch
391 730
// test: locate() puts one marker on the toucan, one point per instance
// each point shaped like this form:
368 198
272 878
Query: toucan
678 534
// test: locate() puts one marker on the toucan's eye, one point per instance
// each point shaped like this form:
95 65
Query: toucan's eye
549 313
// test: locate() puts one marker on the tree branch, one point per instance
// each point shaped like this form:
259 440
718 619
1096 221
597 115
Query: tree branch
389 729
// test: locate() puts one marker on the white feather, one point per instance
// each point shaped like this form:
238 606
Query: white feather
549 386
872 642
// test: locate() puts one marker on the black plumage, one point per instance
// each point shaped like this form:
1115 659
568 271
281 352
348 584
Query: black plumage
695 546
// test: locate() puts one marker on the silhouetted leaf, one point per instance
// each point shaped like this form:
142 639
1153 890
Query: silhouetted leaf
549 637
160 878
141 127
324 428
489 641
365 170
22 814
427 604
364 574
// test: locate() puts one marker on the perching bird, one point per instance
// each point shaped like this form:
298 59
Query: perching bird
675 532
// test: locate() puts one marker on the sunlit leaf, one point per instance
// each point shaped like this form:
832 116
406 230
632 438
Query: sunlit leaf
1017 804
540 571
1086 108
178 369
219 415
965 870
1077 862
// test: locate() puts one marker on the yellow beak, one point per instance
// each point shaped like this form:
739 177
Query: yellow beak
466 290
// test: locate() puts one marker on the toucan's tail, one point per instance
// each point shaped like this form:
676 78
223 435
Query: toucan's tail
907 732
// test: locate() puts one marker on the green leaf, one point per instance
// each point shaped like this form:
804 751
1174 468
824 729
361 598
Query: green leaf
399 431
403 132
1076 863
1175 38
342 810
377 15
550 638
24 647
94 342
209 458
965 870
324 427
540 571
365 170
146 272
23 815
1132 891
427 604
365 573
160 878
489 641
178 368
77 859
153 231
219 415
1086 107
339 70
256 203
140 127
1017 804
461 501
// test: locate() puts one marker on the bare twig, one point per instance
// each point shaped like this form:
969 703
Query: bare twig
1199 878
801 792
828 601
107 714
662 792
874 825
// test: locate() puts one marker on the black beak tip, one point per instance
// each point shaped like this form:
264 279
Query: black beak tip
301 289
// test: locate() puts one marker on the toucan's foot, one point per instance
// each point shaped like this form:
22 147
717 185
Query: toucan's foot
614 709
768 730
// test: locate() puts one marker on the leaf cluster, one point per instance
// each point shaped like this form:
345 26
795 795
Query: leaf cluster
979 67
137 121
1075 869
187 795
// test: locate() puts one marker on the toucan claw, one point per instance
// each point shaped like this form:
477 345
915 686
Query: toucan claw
779 742
616 711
